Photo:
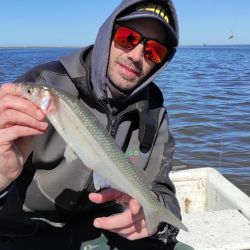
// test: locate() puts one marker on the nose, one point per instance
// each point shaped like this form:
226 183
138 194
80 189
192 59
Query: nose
136 54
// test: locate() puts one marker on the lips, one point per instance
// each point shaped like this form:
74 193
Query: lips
128 71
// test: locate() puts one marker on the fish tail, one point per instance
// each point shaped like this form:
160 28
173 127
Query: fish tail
161 214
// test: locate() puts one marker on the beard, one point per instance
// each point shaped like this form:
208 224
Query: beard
124 74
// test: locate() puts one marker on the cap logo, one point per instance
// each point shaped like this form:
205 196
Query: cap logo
157 9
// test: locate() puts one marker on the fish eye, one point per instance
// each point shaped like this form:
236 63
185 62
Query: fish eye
29 91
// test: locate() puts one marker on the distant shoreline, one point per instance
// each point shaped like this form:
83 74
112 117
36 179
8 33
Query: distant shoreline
75 47
216 45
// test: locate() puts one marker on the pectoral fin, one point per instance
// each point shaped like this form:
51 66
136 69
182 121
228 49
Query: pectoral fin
69 154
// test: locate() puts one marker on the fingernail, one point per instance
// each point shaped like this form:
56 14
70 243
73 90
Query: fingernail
97 224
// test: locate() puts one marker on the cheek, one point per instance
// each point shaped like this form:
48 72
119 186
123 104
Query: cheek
113 52
112 56
115 55
148 66
110 64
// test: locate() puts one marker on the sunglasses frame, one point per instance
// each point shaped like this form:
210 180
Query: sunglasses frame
143 39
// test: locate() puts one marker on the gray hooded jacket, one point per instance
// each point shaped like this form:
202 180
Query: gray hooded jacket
52 191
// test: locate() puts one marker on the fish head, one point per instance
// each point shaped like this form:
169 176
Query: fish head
38 94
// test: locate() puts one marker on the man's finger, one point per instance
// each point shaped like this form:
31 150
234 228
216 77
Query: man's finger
134 206
116 221
10 89
137 235
11 102
15 132
136 227
11 117
105 195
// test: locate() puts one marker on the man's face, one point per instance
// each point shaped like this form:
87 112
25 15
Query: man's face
127 68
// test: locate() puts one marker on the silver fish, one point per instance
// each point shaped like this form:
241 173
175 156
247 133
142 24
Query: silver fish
80 129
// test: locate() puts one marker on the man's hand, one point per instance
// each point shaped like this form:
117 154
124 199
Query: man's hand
130 224
20 119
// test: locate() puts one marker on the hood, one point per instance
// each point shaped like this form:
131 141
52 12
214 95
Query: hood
101 48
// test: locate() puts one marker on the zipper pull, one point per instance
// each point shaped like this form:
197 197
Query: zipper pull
113 126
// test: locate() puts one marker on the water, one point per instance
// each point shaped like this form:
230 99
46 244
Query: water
15 61
207 94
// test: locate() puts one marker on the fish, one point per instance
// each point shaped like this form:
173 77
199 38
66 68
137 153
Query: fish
95 147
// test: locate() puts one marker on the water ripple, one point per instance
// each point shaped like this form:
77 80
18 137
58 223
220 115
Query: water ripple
207 94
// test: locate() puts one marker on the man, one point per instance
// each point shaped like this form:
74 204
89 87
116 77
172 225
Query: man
49 201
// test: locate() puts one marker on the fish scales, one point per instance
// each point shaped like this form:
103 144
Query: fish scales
105 140
110 162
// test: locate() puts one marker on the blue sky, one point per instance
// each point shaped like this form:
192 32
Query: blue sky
75 23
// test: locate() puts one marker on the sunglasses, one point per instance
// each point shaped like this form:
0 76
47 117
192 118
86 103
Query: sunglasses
127 38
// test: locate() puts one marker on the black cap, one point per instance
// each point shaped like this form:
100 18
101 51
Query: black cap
157 12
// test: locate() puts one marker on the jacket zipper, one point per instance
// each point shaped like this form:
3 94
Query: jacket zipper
116 120
111 125
112 129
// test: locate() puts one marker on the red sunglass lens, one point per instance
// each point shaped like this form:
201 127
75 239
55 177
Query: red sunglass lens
126 38
155 51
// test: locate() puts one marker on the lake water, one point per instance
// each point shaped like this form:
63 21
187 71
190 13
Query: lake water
207 95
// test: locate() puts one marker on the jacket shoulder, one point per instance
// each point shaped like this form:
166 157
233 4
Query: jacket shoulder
34 74
155 96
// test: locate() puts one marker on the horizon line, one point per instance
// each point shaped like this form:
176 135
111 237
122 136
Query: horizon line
81 46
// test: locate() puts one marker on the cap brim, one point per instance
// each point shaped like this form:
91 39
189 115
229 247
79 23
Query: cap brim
172 39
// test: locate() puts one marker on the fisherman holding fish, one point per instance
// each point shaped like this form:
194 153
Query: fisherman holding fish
64 181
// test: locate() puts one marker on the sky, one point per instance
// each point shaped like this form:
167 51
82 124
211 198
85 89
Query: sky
76 22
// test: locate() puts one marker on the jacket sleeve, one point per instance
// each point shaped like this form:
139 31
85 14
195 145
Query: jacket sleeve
4 193
162 184
159 166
